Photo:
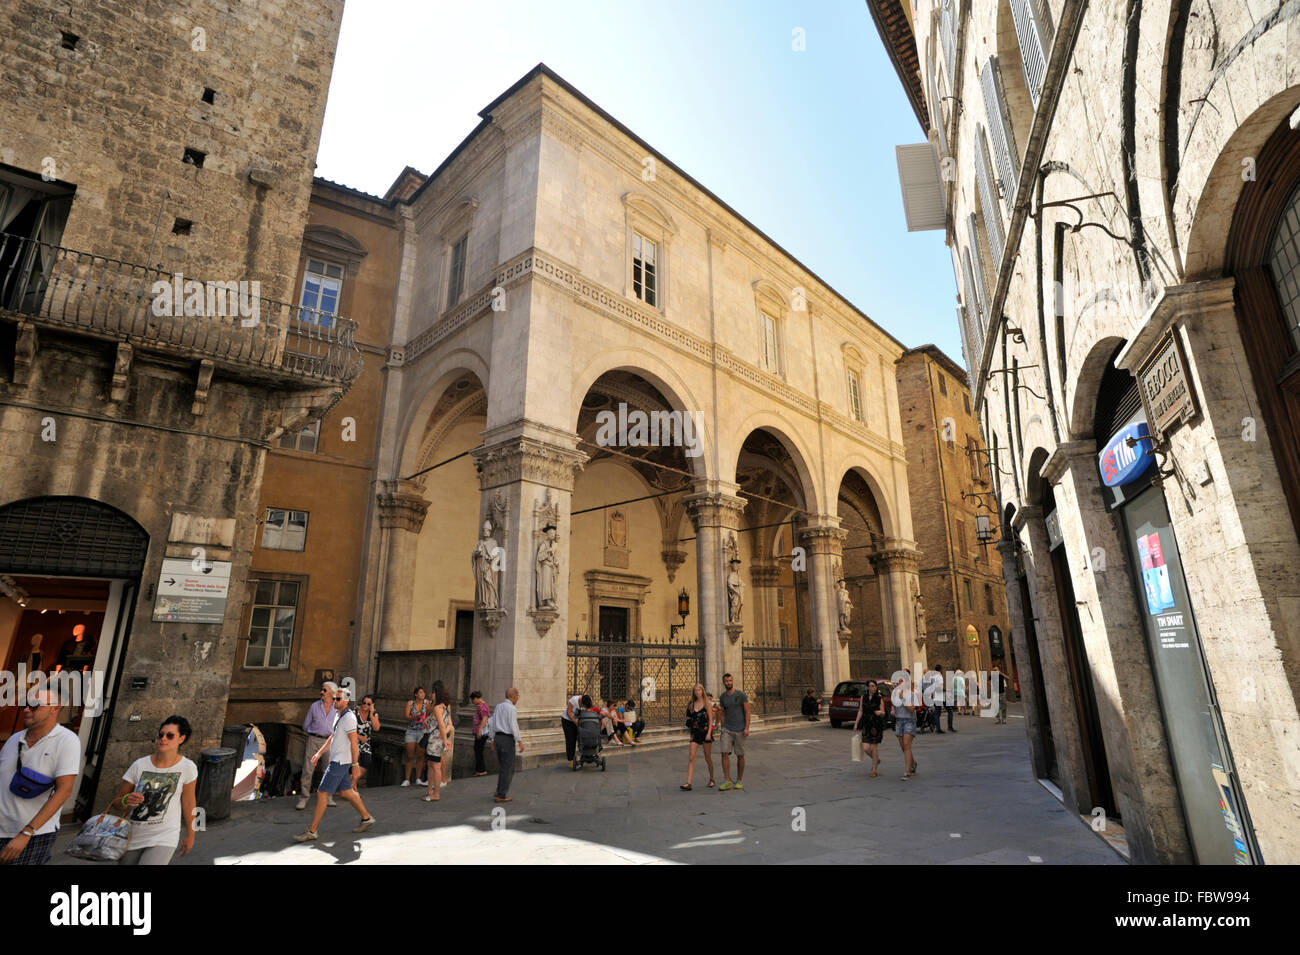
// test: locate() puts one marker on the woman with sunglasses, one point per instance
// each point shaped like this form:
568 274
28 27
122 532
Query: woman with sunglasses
158 797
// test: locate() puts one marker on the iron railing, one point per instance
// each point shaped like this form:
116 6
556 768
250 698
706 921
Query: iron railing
659 673
220 321
776 678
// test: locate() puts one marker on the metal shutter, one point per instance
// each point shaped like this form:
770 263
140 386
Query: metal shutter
1004 141
1034 45
988 197
948 37
70 536
918 177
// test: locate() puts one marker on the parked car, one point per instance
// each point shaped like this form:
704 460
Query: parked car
848 697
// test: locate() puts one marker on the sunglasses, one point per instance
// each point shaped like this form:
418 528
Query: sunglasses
168 735
337 698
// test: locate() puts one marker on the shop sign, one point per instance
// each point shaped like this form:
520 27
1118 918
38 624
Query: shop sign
1127 456
1166 386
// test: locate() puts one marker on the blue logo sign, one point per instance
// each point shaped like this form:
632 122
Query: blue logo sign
1121 463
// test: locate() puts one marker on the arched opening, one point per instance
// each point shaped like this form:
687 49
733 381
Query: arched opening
70 571
632 554
874 652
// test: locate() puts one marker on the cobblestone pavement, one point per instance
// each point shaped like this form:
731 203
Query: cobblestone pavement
974 800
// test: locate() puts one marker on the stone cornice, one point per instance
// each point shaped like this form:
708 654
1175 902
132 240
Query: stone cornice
1066 456
1175 302
1024 516
401 506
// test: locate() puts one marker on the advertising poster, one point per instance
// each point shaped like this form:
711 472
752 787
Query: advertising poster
1155 574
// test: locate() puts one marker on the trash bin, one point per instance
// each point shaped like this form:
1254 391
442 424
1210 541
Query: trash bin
216 780
234 737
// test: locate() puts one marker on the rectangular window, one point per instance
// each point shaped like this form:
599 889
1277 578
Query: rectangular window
322 284
305 440
988 598
780 597
270 632
987 186
284 529
965 585
959 531
771 346
965 401
973 451
1005 155
456 285
855 395
943 386
644 270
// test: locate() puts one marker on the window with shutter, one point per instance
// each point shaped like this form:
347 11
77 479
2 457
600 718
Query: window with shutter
988 197
962 320
1006 157
936 116
1034 45
948 39
976 263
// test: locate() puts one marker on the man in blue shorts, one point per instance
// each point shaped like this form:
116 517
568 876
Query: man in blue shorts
342 747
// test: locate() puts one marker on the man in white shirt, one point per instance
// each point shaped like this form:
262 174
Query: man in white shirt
569 723
342 747
49 757
504 728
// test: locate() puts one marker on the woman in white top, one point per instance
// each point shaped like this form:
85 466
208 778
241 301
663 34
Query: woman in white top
157 796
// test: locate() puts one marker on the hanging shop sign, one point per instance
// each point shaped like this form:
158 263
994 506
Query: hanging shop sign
1128 455
1166 386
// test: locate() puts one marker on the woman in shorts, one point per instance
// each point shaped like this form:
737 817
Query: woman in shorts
367 723
699 721
439 745
417 719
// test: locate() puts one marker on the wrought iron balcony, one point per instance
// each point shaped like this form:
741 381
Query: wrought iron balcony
222 322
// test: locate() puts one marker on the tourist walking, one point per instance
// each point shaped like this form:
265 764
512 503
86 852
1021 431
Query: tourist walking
506 740
438 749
959 692
367 724
343 749
949 698
998 687
871 723
699 721
932 697
735 728
905 721
569 723
481 715
320 716
148 797
38 766
973 692
416 737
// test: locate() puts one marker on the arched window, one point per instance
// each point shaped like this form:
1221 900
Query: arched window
1284 263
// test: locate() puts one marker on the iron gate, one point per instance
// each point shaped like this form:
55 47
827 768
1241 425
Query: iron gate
658 673
776 678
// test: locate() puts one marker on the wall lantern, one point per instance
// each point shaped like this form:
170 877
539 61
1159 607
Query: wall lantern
983 528
683 610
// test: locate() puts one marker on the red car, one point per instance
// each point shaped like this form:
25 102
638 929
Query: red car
848 697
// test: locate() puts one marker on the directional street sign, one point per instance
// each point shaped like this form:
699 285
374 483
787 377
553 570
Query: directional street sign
186 595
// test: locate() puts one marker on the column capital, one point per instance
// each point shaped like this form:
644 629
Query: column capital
1066 456
714 508
401 505
896 557
525 458
1030 512
822 534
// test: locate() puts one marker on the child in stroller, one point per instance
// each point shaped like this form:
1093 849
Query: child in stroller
589 745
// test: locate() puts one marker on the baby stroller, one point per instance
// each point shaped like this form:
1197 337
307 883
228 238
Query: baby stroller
589 746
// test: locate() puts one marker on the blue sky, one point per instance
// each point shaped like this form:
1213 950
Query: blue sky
800 143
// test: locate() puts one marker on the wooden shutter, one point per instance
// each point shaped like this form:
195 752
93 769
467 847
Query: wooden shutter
1034 45
948 39
1006 158
988 198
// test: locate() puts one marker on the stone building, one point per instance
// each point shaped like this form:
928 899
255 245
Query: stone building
627 442
153 190
955 515
1118 185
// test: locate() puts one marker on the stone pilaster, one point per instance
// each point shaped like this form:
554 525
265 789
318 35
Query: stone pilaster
526 484
896 565
823 538
715 510
402 510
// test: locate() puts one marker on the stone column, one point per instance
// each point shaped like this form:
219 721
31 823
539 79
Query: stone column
823 538
888 630
401 515
1115 642
896 564
715 510
765 576
1051 647
526 483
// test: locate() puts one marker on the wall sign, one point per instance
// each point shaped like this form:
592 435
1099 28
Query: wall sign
186 595
1166 386
1121 463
